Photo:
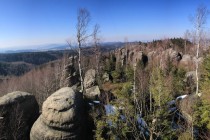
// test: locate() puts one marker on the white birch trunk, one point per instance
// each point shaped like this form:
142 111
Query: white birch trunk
80 69
196 61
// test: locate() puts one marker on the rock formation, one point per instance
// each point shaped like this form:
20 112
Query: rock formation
133 54
91 89
90 78
186 61
61 117
18 111
93 92
129 55
173 55
69 76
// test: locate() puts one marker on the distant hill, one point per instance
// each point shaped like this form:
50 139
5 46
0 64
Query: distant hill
57 47
18 62
17 69
35 58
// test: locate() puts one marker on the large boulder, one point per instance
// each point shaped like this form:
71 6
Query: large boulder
90 78
186 61
18 111
61 117
93 92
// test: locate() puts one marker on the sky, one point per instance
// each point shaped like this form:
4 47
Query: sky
28 23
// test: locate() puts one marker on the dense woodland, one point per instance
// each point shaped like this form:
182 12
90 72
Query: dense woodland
16 64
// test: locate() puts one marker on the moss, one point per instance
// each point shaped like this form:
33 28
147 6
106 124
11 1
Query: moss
185 136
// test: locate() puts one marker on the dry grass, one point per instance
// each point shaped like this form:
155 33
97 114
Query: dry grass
113 86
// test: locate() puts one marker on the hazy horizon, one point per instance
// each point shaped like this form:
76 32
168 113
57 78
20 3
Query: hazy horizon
28 23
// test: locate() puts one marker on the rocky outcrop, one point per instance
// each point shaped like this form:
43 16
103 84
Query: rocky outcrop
168 54
186 61
69 76
165 57
18 111
129 55
93 92
91 89
90 78
174 55
135 56
61 117
135 53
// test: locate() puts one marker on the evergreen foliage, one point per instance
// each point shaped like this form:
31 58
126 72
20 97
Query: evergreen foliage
178 84
159 118
202 109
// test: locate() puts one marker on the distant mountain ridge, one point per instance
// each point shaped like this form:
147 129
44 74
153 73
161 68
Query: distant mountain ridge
18 62
55 47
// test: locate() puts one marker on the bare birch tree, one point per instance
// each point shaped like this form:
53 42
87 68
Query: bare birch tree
96 46
83 20
126 53
199 20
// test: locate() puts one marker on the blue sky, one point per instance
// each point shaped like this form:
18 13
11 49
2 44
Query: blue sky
27 23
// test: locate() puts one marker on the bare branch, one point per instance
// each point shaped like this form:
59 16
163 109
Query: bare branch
71 47
96 46
199 21
83 20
